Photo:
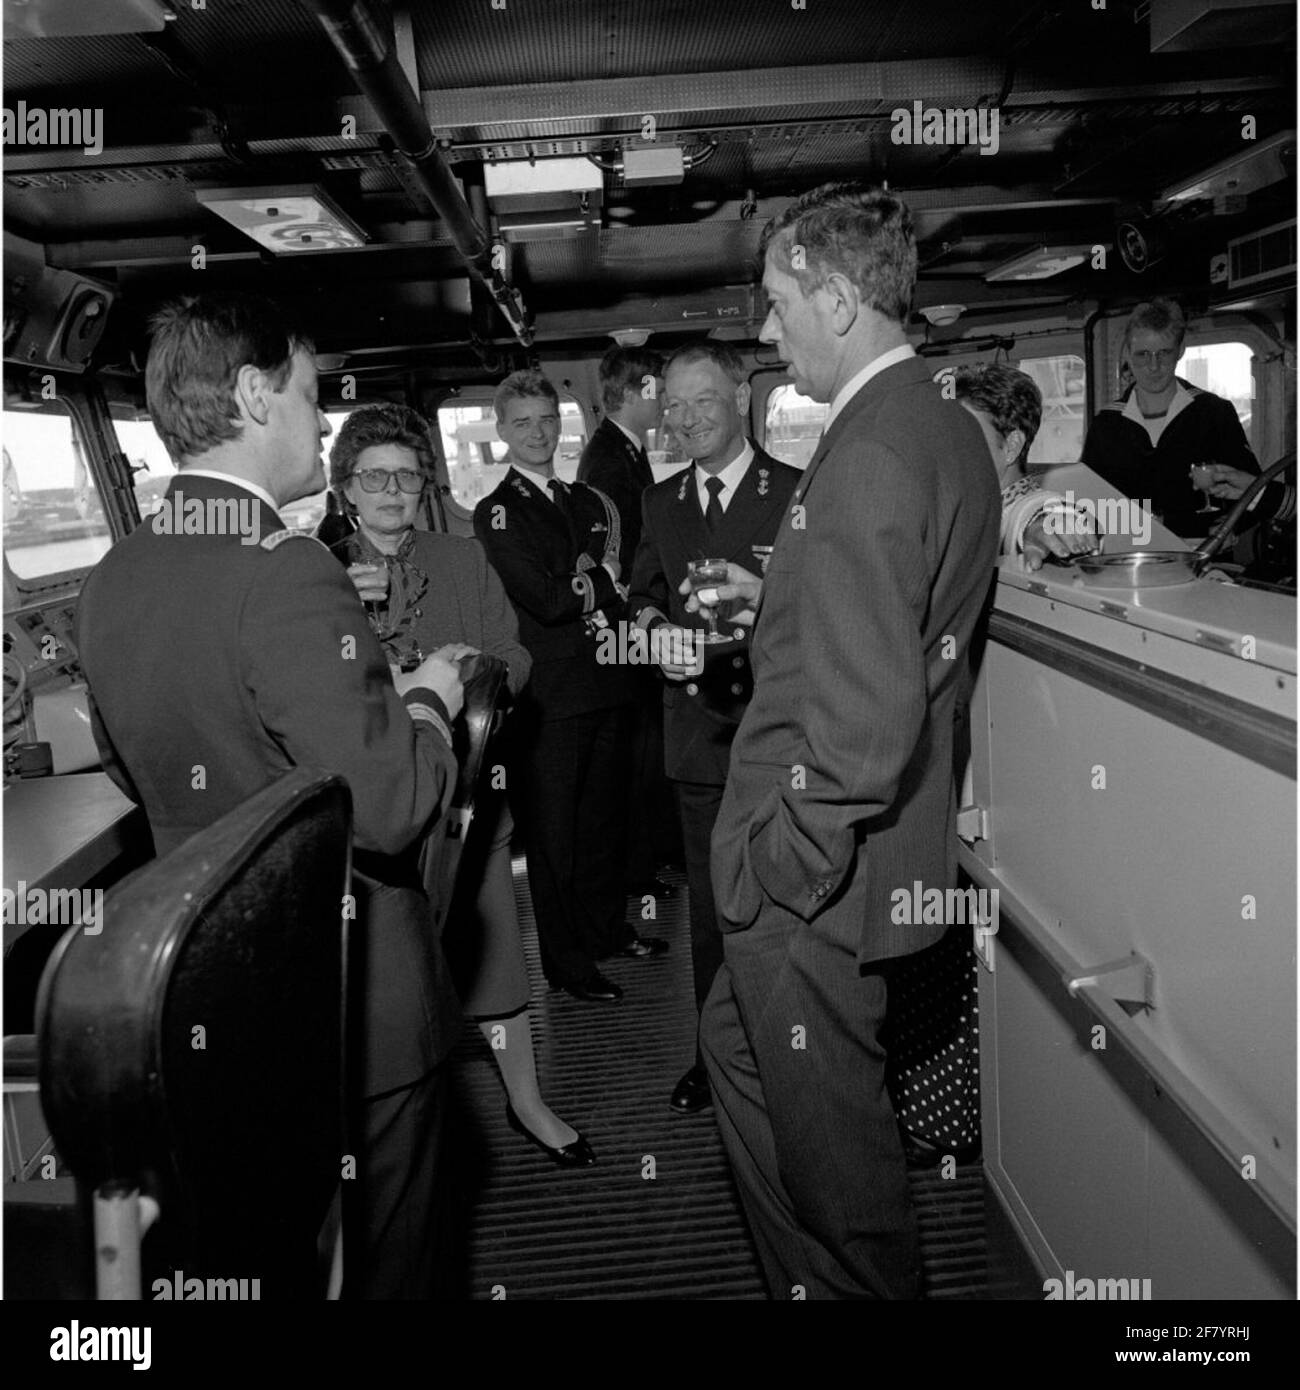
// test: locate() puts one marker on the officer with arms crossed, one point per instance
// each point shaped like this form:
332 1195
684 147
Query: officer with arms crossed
555 548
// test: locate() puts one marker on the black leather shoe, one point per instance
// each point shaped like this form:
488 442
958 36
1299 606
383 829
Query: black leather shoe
641 947
920 1154
594 987
691 1093
576 1155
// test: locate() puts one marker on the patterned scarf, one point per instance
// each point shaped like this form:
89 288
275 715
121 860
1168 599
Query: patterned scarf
393 622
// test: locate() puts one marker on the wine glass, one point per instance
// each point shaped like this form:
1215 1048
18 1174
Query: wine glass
1202 475
377 575
703 576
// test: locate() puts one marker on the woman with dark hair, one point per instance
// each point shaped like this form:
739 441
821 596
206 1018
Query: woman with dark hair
1149 441
426 591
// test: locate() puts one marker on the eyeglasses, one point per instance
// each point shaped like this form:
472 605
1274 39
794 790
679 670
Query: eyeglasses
1157 358
377 479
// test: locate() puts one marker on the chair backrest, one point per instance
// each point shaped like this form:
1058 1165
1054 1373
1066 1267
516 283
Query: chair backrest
484 680
193 1048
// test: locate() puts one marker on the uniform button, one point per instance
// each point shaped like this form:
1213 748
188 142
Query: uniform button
738 662
737 689
692 689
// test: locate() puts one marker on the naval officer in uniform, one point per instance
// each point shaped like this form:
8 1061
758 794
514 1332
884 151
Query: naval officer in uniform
727 505
217 660
555 547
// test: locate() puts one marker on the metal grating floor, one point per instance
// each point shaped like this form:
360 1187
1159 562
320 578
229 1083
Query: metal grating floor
520 1228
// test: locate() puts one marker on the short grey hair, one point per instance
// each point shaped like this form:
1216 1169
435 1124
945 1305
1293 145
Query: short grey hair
722 355
860 232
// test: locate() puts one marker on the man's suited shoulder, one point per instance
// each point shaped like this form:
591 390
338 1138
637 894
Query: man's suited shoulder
906 414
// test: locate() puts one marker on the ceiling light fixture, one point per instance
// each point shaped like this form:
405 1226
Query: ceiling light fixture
1269 162
941 315
1041 263
75 19
293 220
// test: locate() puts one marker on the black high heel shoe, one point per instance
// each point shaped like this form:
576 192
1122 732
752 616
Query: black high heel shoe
576 1155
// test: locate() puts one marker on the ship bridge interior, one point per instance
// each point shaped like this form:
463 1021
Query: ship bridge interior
440 195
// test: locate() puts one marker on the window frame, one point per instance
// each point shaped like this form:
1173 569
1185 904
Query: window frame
85 405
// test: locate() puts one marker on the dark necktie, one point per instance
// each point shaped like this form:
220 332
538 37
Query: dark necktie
558 495
713 513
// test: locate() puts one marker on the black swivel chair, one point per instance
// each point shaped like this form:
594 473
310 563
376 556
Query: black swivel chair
192 1052
484 679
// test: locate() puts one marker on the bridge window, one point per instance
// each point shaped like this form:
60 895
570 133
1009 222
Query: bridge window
152 469
1225 369
53 517
475 453
793 426
1062 380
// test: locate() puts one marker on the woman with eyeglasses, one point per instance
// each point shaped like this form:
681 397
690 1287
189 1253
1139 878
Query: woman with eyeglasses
425 592
1165 441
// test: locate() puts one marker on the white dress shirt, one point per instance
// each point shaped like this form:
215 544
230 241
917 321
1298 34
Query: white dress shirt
543 487
260 492
731 477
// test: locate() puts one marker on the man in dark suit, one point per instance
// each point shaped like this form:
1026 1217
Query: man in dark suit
556 549
840 790
726 505
615 461
222 650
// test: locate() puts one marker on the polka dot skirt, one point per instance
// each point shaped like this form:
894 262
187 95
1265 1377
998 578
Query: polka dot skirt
933 1043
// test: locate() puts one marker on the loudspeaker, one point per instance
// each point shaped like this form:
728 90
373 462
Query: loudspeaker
53 318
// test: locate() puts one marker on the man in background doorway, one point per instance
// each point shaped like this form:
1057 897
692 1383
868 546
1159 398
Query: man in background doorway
616 461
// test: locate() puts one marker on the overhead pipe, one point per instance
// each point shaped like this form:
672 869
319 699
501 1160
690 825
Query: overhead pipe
364 41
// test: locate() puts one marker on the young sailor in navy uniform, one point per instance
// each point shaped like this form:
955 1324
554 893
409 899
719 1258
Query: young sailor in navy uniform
218 659
706 399
555 548
1147 442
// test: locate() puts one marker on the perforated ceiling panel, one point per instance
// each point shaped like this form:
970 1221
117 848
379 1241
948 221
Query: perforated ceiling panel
569 40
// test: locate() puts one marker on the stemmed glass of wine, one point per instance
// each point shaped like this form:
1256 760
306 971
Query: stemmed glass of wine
703 576
1202 475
